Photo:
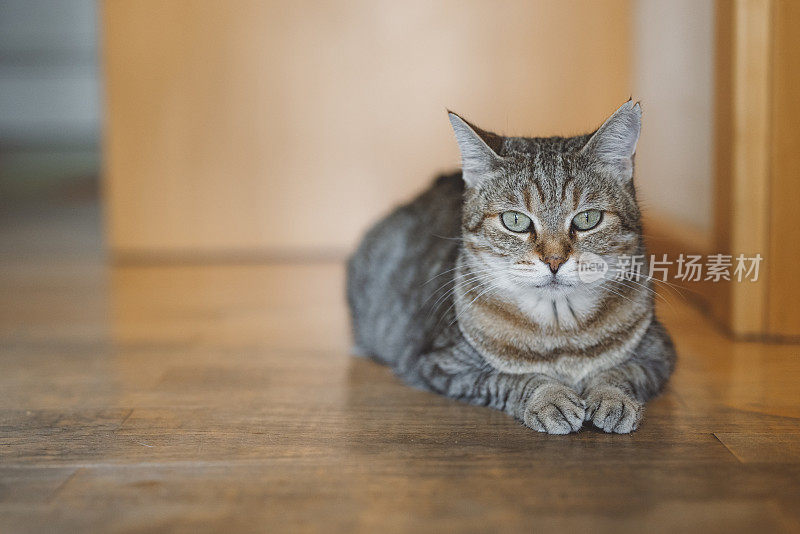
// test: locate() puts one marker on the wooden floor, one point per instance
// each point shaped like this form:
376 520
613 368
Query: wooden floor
222 398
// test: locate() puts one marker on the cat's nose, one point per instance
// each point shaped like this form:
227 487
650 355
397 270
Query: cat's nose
554 262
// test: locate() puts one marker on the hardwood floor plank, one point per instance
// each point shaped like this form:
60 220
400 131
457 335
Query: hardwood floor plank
763 447
356 497
224 398
31 485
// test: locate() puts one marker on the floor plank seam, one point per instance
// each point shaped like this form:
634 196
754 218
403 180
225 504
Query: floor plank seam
61 486
124 419
739 460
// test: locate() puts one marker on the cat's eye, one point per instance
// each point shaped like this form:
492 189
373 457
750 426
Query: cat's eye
586 220
516 221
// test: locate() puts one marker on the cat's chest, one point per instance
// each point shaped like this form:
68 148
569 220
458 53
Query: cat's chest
549 338
568 364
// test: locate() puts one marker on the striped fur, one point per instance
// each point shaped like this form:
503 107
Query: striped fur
452 301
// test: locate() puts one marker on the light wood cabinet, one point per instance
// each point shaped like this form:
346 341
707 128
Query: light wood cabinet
262 128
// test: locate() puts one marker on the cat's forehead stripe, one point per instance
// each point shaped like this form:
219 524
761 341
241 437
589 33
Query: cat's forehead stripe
564 188
539 189
526 193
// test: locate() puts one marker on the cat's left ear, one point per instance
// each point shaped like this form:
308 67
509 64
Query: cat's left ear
613 145
479 158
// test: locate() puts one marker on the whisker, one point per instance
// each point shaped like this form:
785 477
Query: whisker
666 284
618 294
452 305
459 278
468 306
456 280
636 285
448 238
642 286
455 269
481 283
458 285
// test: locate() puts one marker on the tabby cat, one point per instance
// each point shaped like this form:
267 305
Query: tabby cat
475 289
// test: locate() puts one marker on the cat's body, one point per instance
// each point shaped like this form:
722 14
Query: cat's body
456 302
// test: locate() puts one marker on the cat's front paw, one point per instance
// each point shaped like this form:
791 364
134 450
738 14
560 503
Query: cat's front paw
555 409
612 410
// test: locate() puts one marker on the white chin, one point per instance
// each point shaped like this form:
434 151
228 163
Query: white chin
556 288
552 288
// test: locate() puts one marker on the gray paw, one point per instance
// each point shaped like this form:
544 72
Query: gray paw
555 409
612 410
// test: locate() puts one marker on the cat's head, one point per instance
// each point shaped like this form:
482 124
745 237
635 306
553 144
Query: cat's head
534 207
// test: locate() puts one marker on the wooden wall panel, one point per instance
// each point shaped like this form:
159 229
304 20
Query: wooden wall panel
724 57
748 218
757 182
261 127
742 173
784 249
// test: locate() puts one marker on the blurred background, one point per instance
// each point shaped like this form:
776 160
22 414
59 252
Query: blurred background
221 124
50 87
213 131
225 125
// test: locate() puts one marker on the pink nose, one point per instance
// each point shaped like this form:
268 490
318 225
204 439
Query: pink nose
554 262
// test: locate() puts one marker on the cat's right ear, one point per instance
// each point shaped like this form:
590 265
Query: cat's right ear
613 145
479 160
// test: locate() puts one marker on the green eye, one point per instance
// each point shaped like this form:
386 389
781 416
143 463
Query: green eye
586 220
516 221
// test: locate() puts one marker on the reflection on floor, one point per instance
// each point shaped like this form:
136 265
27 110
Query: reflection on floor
222 397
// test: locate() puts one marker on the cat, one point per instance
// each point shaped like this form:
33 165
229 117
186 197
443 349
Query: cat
474 289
